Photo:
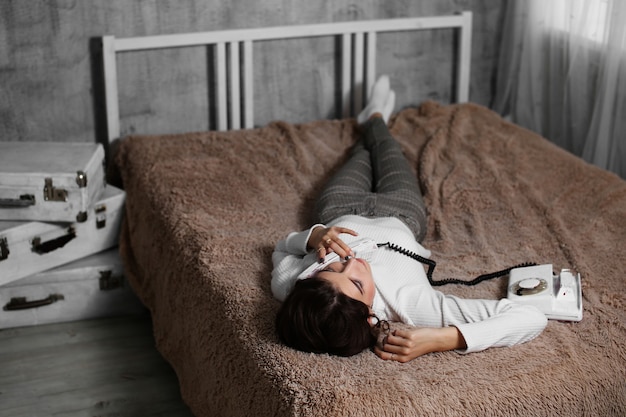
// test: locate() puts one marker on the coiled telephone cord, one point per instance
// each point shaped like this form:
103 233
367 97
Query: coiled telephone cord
431 267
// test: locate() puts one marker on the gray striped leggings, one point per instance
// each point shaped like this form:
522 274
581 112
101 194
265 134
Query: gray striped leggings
376 181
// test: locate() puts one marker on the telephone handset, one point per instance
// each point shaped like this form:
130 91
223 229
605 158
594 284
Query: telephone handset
363 248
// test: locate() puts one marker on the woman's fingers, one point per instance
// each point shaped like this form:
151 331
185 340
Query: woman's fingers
348 231
396 343
342 249
406 345
330 242
391 355
395 346
321 253
400 336
337 246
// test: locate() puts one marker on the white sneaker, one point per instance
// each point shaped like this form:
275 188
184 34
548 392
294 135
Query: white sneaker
390 104
378 100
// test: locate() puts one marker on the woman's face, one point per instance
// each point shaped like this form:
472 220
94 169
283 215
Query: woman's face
353 278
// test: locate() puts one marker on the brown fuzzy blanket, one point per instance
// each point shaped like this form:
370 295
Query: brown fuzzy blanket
204 211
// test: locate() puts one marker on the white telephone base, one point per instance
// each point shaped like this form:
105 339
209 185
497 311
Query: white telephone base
559 297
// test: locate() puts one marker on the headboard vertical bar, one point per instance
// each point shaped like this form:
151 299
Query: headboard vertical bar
346 78
234 79
248 90
464 58
109 62
220 87
357 78
370 63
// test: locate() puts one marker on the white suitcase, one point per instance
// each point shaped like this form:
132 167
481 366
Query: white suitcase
30 247
89 288
50 181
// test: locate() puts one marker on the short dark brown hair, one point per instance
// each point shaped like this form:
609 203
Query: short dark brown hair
316 317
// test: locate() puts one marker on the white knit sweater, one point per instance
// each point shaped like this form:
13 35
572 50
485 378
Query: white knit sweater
403 292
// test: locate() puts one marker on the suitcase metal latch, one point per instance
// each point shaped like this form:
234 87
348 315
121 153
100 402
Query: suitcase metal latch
108 281
81 179
4 248
51 193
101 216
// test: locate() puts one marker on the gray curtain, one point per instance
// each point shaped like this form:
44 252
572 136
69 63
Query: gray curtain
562 74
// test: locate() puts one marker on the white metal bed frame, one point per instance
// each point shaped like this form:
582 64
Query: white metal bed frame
234 105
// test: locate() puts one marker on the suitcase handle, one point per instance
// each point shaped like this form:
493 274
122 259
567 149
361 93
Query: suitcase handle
20 303
25 200
45 247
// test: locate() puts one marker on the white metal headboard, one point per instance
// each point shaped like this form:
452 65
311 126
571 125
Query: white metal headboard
235 104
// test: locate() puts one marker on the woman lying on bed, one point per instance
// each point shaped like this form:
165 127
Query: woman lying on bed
332 307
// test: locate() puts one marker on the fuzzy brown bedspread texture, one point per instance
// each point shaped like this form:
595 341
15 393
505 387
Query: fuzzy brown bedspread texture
204 211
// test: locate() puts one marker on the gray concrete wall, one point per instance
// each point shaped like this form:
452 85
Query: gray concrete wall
50 87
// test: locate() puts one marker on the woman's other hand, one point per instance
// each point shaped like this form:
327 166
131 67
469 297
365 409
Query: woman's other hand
405 345
326 240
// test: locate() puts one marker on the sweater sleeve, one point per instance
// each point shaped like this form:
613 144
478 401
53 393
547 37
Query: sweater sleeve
493 323
407 296
289 259
483 323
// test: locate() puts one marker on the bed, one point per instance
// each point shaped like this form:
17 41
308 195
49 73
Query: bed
205 209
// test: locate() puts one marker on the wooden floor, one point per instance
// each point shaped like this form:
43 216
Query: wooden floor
96 368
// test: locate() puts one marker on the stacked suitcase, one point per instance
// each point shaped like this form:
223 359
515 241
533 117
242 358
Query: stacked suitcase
59 229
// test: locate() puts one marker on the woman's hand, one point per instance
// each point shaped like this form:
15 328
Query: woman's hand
326 240
406 345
